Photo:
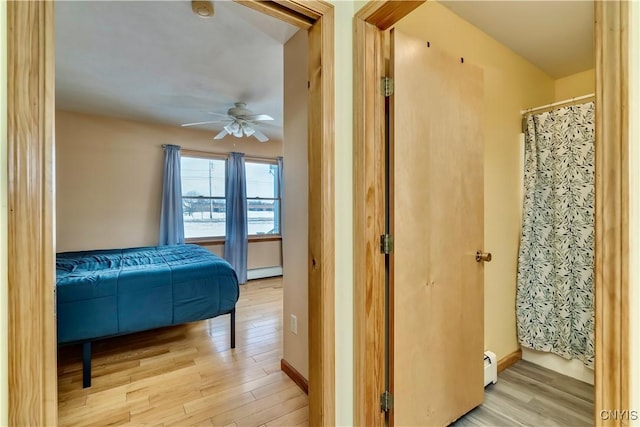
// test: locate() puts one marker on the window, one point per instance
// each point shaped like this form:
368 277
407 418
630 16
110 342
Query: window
263 198
203 197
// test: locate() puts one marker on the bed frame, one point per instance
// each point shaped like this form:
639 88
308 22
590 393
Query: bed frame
86 349
107 293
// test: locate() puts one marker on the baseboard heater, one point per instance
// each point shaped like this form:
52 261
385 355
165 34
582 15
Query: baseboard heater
263 273
490 368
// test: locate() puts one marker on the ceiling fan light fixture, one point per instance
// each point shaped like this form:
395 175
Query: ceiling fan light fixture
248 130
239 122
237 129
232 128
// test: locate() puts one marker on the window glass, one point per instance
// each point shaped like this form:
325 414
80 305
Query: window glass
263 199
203 197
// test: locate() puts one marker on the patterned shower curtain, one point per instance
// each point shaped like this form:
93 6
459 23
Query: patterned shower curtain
554 302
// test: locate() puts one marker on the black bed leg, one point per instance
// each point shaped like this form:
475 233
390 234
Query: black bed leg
233 328
86 364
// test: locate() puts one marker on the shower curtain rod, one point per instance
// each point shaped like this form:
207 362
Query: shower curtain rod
566 101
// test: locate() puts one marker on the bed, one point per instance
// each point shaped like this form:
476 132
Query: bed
105 293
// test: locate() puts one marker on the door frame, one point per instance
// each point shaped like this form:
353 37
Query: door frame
612 218
31 204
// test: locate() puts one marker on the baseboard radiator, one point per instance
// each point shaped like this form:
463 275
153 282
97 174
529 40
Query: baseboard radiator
263 273
490 368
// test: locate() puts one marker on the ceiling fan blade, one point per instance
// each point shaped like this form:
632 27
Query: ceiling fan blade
260 136
218 114
257 117
221 135
266 125
201 123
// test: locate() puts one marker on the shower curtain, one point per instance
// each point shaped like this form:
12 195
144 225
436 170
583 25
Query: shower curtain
554 303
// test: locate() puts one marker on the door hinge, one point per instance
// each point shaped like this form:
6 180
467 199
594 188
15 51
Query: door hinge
386 401
386 244
386 86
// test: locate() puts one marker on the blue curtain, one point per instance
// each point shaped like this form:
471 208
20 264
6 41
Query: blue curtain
236 241
171 221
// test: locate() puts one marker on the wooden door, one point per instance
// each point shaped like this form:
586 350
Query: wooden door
436 219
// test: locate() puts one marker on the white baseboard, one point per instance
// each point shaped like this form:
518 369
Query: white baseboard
262 273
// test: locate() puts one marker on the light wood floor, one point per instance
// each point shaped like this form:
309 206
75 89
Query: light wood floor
188 375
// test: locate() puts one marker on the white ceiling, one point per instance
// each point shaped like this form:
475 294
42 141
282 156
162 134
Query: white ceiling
556 36
159 62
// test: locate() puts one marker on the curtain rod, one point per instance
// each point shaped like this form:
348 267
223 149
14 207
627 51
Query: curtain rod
566 101
188 152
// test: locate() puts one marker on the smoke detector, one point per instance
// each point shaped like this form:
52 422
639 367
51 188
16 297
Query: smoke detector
203 9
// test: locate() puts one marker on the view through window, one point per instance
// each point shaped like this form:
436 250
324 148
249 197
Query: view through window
203 196
263 201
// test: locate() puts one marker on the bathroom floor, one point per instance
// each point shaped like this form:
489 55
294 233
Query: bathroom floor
529 395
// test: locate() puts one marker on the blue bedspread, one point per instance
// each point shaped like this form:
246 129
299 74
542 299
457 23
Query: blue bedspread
111 292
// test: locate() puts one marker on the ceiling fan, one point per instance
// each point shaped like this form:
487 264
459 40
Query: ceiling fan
239 122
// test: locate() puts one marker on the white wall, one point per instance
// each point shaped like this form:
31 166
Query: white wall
4 419
344 378
295 237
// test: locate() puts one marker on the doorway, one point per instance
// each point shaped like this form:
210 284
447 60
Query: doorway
611 312
31 194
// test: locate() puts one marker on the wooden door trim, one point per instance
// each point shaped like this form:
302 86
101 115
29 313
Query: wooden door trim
369 205
612 211
282 11
31 250
30 114
321 261
383 14
612 235
369 224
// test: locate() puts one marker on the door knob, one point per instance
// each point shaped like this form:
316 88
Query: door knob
483 256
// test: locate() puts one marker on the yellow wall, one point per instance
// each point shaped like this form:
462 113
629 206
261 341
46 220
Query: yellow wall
510 85
295 210
575 85
109 181
4 420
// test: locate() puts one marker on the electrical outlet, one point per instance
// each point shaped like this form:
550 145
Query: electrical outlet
293 324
